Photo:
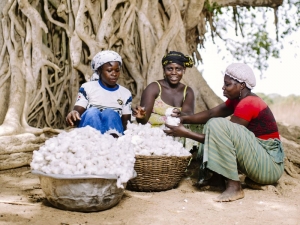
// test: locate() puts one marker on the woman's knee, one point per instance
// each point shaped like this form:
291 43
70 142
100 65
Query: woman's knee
216 126
110 113
91 113
215 121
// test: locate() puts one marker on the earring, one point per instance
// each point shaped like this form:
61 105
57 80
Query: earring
240 94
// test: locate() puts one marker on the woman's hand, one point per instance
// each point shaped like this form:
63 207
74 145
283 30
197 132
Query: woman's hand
139 112
181 131
72 117
176 131
176 112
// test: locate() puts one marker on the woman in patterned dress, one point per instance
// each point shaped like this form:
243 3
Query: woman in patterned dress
166 93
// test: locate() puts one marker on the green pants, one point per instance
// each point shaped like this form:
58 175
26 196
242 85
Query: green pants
230 147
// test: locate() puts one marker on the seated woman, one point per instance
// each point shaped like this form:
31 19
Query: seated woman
103 104
249 142
167 93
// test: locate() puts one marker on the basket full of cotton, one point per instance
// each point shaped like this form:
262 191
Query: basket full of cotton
84 170
161 161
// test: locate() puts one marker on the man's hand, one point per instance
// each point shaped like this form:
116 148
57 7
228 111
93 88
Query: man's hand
176 112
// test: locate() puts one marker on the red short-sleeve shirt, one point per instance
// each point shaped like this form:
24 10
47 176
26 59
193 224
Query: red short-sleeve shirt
261 119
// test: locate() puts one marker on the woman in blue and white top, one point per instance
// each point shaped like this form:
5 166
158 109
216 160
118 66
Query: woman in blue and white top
103 104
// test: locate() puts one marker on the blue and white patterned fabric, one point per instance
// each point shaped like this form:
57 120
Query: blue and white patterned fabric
106 121
94 94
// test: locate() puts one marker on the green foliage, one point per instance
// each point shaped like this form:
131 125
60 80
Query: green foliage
247 34
214 8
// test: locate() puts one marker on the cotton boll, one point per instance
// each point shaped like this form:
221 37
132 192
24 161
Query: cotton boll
58 155
38 159
88 171
35 166
63 146
144 152
49 157
73 169
137 149
79 166
48 142
66 172
45 169
104 171
136 140
172 121
77 172
56 170
62 164
169 111
66 156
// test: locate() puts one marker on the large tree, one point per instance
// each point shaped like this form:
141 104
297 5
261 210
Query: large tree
48 45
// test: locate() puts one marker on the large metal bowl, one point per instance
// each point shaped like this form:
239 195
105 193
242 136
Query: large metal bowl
81 193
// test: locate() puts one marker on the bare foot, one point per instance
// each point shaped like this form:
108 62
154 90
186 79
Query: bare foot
233 192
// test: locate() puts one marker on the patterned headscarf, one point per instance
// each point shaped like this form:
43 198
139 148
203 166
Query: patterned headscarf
101 58
177 57
104 57
242 73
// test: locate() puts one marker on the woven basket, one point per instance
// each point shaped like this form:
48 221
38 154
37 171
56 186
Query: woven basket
158 173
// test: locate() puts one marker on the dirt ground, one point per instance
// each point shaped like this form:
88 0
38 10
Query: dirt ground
22 201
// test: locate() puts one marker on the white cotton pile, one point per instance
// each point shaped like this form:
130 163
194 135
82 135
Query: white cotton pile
152 141
170 119
85 151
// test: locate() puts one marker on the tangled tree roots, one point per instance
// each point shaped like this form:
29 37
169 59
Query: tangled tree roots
48 46
16 150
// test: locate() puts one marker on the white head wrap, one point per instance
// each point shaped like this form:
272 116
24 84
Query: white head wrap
242 73
101 58
104 57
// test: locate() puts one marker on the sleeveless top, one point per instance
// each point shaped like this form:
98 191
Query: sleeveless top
158 117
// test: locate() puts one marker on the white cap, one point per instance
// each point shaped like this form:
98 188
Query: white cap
242 73
104 57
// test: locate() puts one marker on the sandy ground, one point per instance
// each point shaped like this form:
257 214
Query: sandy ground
22 201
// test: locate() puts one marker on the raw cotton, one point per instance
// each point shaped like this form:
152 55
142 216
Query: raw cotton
85 151
170 119
152 141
